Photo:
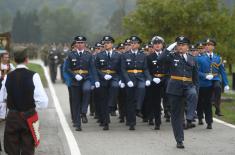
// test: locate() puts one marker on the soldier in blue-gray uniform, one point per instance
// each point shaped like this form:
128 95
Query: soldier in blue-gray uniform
136 75
68 81
81 68
210 70
108 64
182 86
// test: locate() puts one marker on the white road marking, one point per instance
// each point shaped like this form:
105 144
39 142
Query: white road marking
73 146
224 123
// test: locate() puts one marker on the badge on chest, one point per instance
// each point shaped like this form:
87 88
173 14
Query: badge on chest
176 62
102 61
74 62
128 61
154 62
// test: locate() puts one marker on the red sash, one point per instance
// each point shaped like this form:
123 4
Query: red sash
33 124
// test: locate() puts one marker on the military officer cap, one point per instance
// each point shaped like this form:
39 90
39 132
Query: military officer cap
157 39
193 48
199 44
120 46
127 42
108 39
80 39
210 40
150 44
135 39
182 40
98 45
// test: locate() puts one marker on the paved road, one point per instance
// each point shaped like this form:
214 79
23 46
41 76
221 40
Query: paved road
120 141
146 141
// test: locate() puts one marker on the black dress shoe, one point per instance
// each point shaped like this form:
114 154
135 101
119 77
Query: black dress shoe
219 114
122 120
189 124
78 128
200 122
157 127
139 114
168 119
180 145
132 127
209 126
84 119
106 127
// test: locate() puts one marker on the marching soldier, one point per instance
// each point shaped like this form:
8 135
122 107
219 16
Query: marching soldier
210 69
135 72
68 81
159 82
182 85
53 59
62 56
217 68
81 68
122 90
108 68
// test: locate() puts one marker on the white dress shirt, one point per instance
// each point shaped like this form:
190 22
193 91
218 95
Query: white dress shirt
40 97
109 53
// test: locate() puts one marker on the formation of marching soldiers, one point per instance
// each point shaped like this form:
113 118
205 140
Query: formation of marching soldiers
136 81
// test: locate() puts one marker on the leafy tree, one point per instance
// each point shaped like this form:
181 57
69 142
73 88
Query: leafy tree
196 19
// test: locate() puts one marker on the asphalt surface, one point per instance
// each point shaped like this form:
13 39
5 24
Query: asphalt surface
144 140
120 141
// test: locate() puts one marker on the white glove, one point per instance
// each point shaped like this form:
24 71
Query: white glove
130 84
226 88
172 46
156 80
97 84
107 77
78 77
121 84
147 83
209 77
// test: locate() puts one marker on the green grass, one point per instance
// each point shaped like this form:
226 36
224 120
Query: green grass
228 109
37 68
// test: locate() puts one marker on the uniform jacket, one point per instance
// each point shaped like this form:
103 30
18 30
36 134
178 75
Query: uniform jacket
182 68
83 62
214 66
103 62
130 61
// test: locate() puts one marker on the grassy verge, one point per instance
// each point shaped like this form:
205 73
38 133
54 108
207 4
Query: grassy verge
228 109
37 68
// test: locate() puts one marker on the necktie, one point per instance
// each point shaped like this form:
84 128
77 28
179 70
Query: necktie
182 56
109 55
210 56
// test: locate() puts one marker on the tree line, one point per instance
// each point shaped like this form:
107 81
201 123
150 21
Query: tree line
196 19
